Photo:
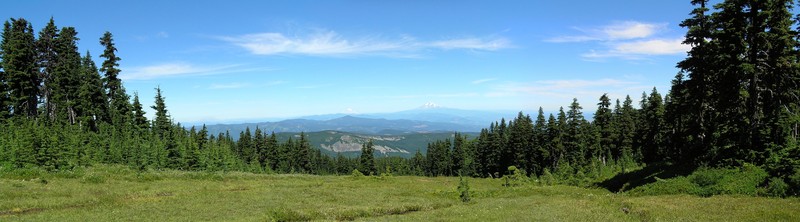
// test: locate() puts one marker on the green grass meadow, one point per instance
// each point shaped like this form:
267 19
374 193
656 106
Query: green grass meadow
116 193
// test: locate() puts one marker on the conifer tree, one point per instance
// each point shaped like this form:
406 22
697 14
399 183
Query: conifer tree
627 130
47 60
109 67
303 154
244 147
272 151
367 158
519 142
698 68
139 120
162 122
575 140
541 154
602 120
652 131
459 154
92 100
66 77
19 65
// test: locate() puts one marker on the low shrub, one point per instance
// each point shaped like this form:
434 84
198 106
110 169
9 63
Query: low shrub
705 182
777 187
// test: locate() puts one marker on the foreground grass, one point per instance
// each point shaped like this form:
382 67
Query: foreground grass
114 193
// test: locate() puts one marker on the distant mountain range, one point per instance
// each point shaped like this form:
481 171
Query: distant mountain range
394 134
345 124
429 118
349 144
432 112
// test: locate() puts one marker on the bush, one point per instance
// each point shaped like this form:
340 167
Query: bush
515 177
463 189
794 182
777 187
356 174
547 178
707 182
678 185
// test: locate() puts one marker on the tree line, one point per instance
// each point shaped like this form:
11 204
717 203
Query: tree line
735 101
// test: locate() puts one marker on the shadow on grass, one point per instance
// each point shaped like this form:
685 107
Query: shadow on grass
632 179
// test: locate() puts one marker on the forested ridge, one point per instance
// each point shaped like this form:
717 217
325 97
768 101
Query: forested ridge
733 104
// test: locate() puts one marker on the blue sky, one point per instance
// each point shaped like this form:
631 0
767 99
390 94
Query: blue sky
246 60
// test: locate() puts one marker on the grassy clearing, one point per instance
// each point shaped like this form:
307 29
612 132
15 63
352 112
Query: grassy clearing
113 193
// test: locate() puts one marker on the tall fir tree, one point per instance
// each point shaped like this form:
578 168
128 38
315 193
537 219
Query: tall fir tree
162 122
602 121
139 120
652 133
459 154
111 82
541 154
575 140
19 65
367 158
47 61
700 84
92 103
519 142
66 75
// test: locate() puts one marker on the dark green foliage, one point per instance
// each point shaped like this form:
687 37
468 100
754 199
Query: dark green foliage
162 122
66 77
109 67
47 62
139 120
19 67
438 158
463 189
367 158
603 123
747 180
92 104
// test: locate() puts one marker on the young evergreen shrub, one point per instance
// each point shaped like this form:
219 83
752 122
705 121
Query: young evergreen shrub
356 174
515 177
678 185
794 182
547 178
463 189
777 187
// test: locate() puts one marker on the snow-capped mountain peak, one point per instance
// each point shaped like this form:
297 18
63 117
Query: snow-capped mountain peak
430 105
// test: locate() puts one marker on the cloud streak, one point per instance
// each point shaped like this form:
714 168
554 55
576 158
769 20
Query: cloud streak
562 88
330 43
625 30
235 85
637 49
480 81
180 69
629 40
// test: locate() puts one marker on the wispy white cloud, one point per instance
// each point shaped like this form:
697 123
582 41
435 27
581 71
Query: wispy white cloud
490 44
439 95
180 69
560 88
630 40
313 86
479 81
275 83
631 30
330 43
235 85
639 49
624 30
